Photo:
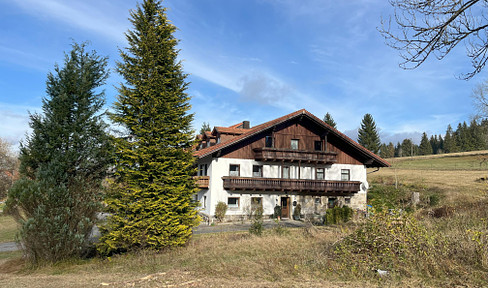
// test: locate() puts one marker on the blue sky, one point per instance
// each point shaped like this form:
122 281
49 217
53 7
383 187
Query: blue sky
250 60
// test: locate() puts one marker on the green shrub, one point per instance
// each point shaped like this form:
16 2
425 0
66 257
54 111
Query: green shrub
277 211
337 215
257 222
220 211
434 199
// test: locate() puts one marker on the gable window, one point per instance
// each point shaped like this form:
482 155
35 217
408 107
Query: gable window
345 174
318 145
233 202
268 142
320 174
234 170
257 170
294 144
285 172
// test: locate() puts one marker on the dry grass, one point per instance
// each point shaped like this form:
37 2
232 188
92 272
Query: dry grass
454 185
297 259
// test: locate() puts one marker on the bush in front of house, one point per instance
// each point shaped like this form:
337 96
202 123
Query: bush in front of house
337 215
277 211
220 211
257 221
297 212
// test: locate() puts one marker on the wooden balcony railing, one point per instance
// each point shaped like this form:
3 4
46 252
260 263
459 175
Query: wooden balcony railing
275 154
202 181
294 185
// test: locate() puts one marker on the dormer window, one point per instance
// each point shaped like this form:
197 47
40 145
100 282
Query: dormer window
294 144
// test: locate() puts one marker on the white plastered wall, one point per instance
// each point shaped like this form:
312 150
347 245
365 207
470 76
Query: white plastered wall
219 167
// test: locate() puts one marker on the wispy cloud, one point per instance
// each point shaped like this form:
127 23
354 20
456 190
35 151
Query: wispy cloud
81 15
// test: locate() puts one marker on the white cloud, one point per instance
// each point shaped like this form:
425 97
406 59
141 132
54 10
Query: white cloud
82 15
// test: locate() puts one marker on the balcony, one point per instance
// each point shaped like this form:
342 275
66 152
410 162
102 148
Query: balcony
301 186
290 155
202 181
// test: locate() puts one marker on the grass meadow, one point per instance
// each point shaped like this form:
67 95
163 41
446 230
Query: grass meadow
438 243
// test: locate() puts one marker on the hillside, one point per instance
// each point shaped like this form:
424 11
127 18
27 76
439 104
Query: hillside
474 160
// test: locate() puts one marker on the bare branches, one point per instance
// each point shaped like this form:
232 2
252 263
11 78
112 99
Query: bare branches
435 27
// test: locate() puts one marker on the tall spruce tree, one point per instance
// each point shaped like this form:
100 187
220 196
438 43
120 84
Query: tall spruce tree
368 134
151 199
425 147
63 162
329 120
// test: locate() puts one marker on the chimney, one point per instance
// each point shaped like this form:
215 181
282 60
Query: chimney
246 125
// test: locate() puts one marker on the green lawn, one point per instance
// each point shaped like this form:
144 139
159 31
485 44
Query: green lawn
448 162
8 228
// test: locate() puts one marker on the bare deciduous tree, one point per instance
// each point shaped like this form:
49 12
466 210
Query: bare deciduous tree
8 167
425 27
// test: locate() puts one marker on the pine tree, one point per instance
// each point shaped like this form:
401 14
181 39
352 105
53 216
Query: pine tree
398 150
450 143
440 147
329 120
205 127
408 148
63 162
368 134
425 147
151 199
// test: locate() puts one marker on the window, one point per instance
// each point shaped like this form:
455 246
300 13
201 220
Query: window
256 202
332 202
347 200
234 170
294 144
317 201
204 201
285 172
318 145
257 171
233 202
320 174
345 174
203 170
269 141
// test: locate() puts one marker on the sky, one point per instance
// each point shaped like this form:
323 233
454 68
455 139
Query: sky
252 60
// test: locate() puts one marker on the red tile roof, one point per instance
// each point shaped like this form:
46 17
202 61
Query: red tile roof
250 132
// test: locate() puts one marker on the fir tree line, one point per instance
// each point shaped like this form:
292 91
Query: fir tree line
465 138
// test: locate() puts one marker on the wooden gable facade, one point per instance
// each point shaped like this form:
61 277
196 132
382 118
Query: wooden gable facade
315 141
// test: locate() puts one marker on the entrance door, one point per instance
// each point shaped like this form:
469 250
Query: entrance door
285 207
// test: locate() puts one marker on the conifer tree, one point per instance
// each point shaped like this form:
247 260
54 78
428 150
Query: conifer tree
368 134
329 120
205 127
425 146
450 144
151 199
63 162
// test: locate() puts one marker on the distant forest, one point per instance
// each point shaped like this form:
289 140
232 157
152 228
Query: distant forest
465 138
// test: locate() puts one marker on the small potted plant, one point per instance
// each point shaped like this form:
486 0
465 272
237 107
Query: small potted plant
277 212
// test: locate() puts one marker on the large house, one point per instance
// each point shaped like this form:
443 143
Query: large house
294 160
